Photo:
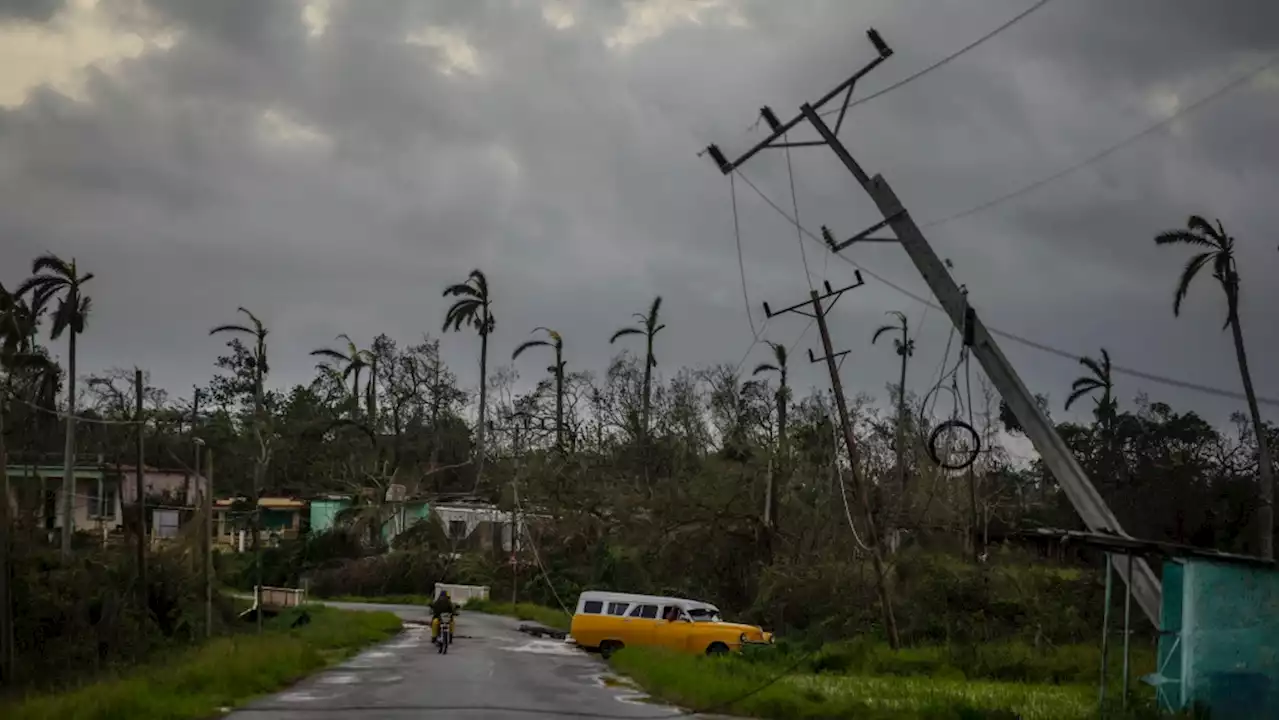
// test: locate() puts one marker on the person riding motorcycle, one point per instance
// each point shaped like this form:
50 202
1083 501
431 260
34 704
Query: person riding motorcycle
440 607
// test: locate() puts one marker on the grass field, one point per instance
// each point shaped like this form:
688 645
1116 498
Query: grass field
224 672
867 680
523 611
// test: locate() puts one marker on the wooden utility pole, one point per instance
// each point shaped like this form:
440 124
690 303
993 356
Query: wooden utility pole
6 559
207 545
137 486
829 355
193 485
1053 450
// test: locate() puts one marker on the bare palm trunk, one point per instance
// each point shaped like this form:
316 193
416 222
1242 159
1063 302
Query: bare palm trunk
259 471
1267 491
371 393
69 449
484 397
646 401
901 441
559 402
435 415
779 469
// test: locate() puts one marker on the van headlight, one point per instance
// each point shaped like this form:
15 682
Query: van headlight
742 638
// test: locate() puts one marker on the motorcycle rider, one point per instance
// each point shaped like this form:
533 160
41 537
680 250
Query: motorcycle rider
440 607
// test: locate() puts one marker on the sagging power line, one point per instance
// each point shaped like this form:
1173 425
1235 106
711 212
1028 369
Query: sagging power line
979 340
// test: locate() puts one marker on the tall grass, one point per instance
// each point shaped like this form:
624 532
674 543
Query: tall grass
540 614
863 679
199 681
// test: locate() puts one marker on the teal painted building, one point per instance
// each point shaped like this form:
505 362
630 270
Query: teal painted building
324 513
1218 638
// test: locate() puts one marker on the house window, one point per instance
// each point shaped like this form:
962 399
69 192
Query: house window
592 607
457 529
102 500
166 523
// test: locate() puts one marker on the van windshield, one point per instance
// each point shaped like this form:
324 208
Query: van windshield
704 614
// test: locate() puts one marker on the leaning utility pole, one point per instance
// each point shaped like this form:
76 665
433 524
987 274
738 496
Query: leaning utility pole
139 388
819 313
1051 447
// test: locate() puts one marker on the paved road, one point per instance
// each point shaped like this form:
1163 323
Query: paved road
493 671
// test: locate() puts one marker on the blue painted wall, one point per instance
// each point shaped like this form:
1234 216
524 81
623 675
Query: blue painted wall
1220 638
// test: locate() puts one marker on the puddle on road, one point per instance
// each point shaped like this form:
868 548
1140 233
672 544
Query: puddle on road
630 694
545 647
302 696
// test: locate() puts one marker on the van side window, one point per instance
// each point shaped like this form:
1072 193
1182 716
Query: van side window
645 611
618 608
592 607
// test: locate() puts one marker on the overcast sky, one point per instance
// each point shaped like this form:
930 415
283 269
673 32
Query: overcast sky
333 165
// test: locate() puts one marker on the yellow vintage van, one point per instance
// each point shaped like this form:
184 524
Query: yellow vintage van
608 621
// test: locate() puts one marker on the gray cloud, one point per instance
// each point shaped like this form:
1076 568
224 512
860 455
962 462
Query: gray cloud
567 171
29 10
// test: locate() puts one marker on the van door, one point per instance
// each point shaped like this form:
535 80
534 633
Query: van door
641 625
672 633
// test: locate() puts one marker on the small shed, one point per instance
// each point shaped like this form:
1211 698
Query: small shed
1218 635
1217 646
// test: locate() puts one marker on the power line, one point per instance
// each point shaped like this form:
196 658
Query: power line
941 62
1150 377
1103 153
742 268
795 209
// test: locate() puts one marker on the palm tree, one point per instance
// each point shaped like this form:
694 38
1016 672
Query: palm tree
904 347
1099 378
51 277
649 328
474 309
1217 249
258 332
350 365
557 343
779 366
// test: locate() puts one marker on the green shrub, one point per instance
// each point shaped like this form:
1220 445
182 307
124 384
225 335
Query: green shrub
551 617
908 687
197 682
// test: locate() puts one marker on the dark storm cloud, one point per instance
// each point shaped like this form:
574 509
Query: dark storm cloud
31 10
336 183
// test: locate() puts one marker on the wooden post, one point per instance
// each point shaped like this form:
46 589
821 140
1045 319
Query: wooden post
877 559
6 543
138 487
207 545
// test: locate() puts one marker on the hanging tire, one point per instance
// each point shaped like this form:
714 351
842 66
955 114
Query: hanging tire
609 647
975 446
717 648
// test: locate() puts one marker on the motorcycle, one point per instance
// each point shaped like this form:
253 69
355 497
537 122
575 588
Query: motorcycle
444 637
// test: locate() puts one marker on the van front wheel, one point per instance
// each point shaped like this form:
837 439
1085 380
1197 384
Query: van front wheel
609 647
717 648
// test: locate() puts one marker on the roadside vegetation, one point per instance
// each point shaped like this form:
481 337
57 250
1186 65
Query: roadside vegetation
866 680
201 680
724 482
531 612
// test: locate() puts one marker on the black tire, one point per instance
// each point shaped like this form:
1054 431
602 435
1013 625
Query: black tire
717 648
609 647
